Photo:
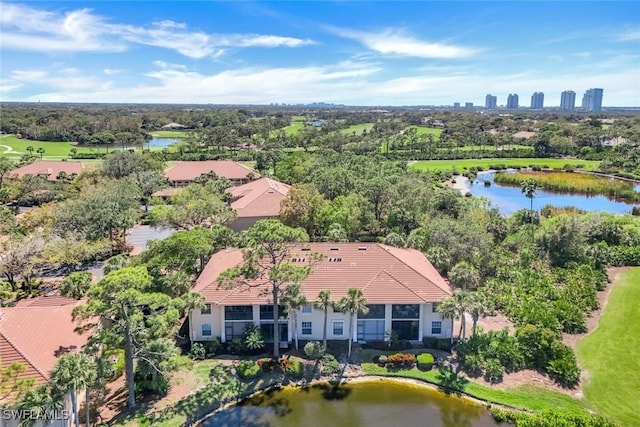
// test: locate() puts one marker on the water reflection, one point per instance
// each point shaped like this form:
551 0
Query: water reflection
509 199
370 404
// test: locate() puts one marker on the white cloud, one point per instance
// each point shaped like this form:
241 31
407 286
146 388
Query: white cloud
30 29
68 79
629 35
390 42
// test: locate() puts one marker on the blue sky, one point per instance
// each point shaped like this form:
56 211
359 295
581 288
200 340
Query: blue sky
357 53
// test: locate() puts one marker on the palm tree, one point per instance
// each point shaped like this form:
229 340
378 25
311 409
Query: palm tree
529 188
464 275
294 300
38 401
72 372
76 284
324 303
456 307
30 150
353 304
40 151
477 306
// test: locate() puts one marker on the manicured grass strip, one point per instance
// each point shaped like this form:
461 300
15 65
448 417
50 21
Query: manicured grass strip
573 183
524 397
358 129
609 355
464 164
169 134
52 150
427 130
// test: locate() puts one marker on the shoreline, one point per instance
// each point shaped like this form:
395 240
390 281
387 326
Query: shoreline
364 378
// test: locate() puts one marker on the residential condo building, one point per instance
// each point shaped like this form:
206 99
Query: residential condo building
491 102
512 101
537 101
568 100
592 99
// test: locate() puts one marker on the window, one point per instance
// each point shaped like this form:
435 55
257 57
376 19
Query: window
376 311
434 307
206 329
338 327
266 312
307 309
405 311
206 309
436 328
238 312
306 328
234 329
371 330
406 329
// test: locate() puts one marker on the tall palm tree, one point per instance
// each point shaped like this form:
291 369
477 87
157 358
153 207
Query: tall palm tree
529 187
30 150
456 307
353 304
293 299
477 306
40 151
324 303
73 372
38 401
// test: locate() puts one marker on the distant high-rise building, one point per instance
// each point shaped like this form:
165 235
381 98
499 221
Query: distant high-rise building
468 105
456 105
537 101
490 102
592 99
568 100
512 101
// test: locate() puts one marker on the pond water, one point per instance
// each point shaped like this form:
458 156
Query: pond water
376 403
509 199
161 142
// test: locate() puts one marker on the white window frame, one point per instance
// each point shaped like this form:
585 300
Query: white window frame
206 310
202 330
433 324
306 309
310 327
334 323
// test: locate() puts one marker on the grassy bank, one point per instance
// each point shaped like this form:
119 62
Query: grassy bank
464 164
357 129
524 397
169 134
52 150
573 183
609 354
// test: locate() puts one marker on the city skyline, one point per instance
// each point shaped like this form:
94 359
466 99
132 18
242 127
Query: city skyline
352 53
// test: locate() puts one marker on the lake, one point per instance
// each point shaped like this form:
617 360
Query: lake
161 142
509 199
375 403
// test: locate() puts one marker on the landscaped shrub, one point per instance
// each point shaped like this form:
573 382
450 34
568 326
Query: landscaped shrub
564 367
537 345
211 347
313 350
493 370
295 369
248 370
437 343
197 352
425 361
549 419
273 365
329 365
382 360
401 360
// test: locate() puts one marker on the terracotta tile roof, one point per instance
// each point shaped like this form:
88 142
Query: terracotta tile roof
48 168
259 198
36 336
385 274
53 300
188 171
524 134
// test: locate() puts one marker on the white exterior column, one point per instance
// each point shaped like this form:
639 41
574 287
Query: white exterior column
223 337
256 315
423 307
354 338
387 320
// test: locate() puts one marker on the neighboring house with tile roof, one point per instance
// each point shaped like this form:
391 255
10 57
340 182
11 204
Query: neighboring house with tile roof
256 200
49 169
401 286
184 173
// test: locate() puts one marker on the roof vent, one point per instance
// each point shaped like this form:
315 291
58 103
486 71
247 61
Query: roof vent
353 264
334 249
305 249
338 259
363 248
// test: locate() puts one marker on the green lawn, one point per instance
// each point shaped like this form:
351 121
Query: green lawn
464 164
358 129
169 134
52 150
427 130
609 355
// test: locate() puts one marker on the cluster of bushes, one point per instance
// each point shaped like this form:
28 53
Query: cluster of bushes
273 365
204 349
494 353
549 419
251 342
327 363
437 343
425 361
248 369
